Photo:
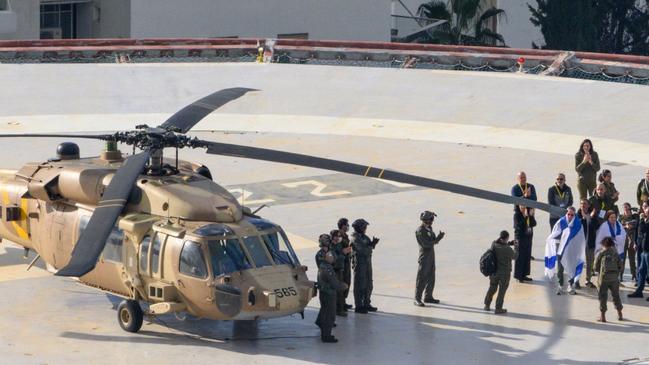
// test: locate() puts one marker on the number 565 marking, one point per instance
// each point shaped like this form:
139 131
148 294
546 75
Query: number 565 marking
285 292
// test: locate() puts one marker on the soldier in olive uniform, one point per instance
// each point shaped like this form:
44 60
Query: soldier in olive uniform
608 264
363 247
500 279
325 244
328 285
343 227
426 239
340 254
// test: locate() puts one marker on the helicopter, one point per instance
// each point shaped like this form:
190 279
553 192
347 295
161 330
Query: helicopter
160 231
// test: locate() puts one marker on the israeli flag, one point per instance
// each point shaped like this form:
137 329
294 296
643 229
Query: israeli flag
572 248
615 231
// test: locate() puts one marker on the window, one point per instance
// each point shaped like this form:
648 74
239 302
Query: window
113 248
280 249
226 256
155 252
192 261
257 251
144 254
58 21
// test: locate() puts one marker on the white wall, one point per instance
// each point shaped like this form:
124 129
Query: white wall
27 20
322 19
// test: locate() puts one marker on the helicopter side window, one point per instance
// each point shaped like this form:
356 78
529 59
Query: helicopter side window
279 249
192 261
144 254
113 248
226 256
155 253
257 251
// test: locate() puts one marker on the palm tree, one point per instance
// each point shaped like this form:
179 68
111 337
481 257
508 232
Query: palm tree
466 24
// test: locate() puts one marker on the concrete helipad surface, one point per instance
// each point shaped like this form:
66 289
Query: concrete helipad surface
477 129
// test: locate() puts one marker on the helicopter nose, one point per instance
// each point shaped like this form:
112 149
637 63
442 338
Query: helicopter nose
228 299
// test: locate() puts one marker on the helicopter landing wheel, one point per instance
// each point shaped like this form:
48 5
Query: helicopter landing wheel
129 315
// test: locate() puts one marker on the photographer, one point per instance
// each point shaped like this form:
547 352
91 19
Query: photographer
427 240
499 281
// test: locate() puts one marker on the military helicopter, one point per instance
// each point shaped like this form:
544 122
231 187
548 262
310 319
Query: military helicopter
159 231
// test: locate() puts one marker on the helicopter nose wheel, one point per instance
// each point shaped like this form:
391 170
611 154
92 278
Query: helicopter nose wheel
130 315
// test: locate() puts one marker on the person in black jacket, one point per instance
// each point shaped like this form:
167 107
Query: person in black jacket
590 225
559 195
524 224
642 244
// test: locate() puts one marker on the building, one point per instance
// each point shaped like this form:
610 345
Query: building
370 20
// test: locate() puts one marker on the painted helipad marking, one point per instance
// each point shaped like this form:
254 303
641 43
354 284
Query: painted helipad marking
533 140
299 242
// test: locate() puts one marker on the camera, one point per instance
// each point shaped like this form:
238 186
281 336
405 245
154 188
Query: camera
512 242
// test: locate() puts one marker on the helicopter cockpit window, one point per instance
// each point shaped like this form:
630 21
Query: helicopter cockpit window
192 261
226 256
257 251
113 248
280 249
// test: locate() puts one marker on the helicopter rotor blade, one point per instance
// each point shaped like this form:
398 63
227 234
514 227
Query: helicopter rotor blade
93 239
87 136
187 117
264 154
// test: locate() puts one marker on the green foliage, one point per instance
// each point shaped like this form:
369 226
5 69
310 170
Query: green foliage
466 23
609 26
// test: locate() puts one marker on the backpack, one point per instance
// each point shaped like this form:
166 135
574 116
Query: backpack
488 263
610 264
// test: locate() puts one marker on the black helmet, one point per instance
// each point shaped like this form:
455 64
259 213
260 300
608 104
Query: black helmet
342 222
324 240
427 216
359 224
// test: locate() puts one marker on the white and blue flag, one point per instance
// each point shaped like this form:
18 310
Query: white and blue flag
615 231
572 248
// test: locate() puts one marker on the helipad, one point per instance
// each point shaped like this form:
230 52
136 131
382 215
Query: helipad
473 128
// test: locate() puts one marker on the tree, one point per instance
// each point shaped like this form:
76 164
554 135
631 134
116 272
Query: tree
466 23
609 26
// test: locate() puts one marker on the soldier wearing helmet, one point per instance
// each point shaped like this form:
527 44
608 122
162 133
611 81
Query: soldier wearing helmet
325 245
328 285
343 227
363 247
427 240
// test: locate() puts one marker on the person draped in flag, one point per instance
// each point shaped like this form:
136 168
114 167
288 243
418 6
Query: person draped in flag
611 228
566 248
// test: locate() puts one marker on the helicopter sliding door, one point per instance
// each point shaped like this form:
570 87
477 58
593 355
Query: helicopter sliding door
152 267
107 272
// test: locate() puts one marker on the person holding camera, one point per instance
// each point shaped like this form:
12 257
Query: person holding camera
363 246
427 240
499 281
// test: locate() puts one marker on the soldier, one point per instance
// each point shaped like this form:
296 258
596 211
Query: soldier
642 192
363 247
340 254
608 264
325 243
426 239
343 227
500 279
328 286
586 165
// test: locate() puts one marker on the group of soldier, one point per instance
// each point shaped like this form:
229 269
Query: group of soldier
338 256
